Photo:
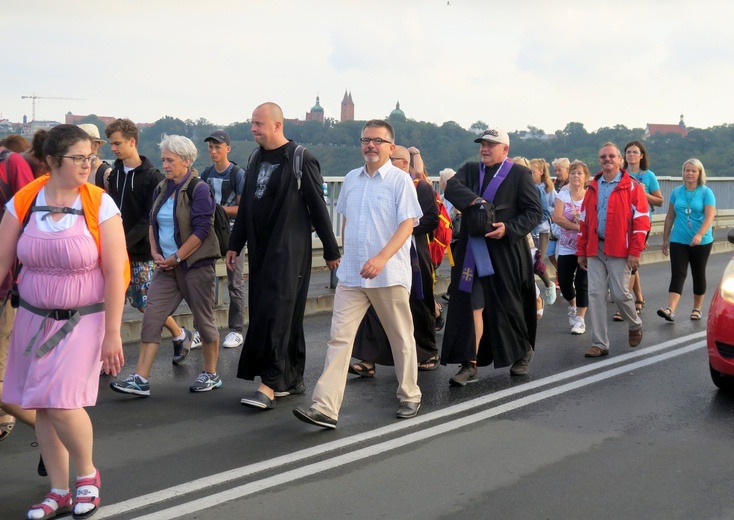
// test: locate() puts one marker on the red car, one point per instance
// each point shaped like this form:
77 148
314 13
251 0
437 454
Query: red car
720 329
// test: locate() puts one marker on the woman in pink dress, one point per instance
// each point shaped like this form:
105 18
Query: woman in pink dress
71 279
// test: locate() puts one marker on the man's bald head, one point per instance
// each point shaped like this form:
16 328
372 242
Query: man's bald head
273 110
267 126
401 158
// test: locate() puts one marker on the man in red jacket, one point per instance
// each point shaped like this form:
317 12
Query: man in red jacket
614 224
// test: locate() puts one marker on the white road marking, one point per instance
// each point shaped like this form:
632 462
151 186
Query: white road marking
198 485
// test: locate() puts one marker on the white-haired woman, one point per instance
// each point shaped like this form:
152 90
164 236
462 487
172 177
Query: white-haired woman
185 249
688 237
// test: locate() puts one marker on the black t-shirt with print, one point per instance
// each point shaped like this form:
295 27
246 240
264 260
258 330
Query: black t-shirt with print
269 175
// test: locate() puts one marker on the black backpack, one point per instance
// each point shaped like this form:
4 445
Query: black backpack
221 219
232 175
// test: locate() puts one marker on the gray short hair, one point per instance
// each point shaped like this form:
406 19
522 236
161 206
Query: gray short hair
179 145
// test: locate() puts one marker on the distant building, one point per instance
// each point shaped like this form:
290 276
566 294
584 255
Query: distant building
397 114
347 107
316 113
73 119
653 129
29 129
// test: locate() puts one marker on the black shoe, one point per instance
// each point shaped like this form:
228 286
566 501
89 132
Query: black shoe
258 400
314 417
467 374
407 410
41 468
298 389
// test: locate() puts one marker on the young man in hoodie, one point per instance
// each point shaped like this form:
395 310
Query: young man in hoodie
130 184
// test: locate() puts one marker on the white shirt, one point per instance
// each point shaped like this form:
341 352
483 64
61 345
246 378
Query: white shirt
374 207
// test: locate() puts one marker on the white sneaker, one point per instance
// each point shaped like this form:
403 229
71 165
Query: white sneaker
550 295
233 340
196 339
571 316
579 327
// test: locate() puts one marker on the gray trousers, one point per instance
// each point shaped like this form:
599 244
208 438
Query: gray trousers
236 287
608 271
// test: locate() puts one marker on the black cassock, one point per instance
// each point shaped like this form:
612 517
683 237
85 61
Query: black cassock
510 319
280 270
371 343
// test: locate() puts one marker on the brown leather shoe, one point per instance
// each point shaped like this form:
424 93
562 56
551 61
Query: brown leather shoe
596 352
635 337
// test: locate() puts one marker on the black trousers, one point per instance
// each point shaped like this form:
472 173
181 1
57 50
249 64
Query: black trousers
573 280
681 255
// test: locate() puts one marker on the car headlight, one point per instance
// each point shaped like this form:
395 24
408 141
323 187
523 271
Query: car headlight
727 283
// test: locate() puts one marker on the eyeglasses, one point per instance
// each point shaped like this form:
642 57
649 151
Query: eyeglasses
78 160
608 156
377 140
632 152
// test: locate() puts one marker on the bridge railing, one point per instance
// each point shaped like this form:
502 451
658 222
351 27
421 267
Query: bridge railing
723 188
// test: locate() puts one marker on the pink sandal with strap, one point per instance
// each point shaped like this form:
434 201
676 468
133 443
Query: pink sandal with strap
96 481
62 501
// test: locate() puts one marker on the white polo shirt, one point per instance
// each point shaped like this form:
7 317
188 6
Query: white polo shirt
374 208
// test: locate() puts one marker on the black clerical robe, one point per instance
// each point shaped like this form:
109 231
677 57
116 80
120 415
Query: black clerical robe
509 315
280 269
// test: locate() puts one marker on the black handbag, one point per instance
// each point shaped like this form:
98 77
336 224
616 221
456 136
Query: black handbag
479 218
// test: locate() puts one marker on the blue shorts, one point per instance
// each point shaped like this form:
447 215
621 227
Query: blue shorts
140 275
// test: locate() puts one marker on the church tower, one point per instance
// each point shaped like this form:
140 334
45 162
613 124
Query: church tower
316 113
347 107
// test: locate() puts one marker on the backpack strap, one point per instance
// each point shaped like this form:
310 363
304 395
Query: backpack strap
298 165
233 176
205 174
91 196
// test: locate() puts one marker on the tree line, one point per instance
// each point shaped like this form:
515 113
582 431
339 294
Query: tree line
336 144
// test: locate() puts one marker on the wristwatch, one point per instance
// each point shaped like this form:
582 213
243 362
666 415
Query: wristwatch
175 256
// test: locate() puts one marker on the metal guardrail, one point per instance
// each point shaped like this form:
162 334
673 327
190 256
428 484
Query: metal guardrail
723 188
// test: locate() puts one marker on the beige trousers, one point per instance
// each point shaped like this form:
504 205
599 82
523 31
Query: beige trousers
350 305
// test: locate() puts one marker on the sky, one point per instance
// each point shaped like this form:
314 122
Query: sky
511 64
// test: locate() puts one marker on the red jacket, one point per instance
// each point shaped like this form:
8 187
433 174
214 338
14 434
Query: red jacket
628 220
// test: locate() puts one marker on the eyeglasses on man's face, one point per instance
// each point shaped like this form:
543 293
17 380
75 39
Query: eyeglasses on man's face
78 160
608 156
377 140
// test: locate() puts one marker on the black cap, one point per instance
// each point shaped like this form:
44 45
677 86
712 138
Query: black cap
219 136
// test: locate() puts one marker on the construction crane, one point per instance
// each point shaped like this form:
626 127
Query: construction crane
34 97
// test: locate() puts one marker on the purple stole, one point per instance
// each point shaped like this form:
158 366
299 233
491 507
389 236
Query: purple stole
477 257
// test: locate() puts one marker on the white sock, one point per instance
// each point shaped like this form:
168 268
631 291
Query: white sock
39 513
181 336
91 491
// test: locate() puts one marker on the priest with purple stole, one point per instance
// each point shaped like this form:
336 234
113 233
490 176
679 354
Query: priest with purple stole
492 315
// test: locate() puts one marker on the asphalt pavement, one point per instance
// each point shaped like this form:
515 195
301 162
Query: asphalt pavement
640 434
